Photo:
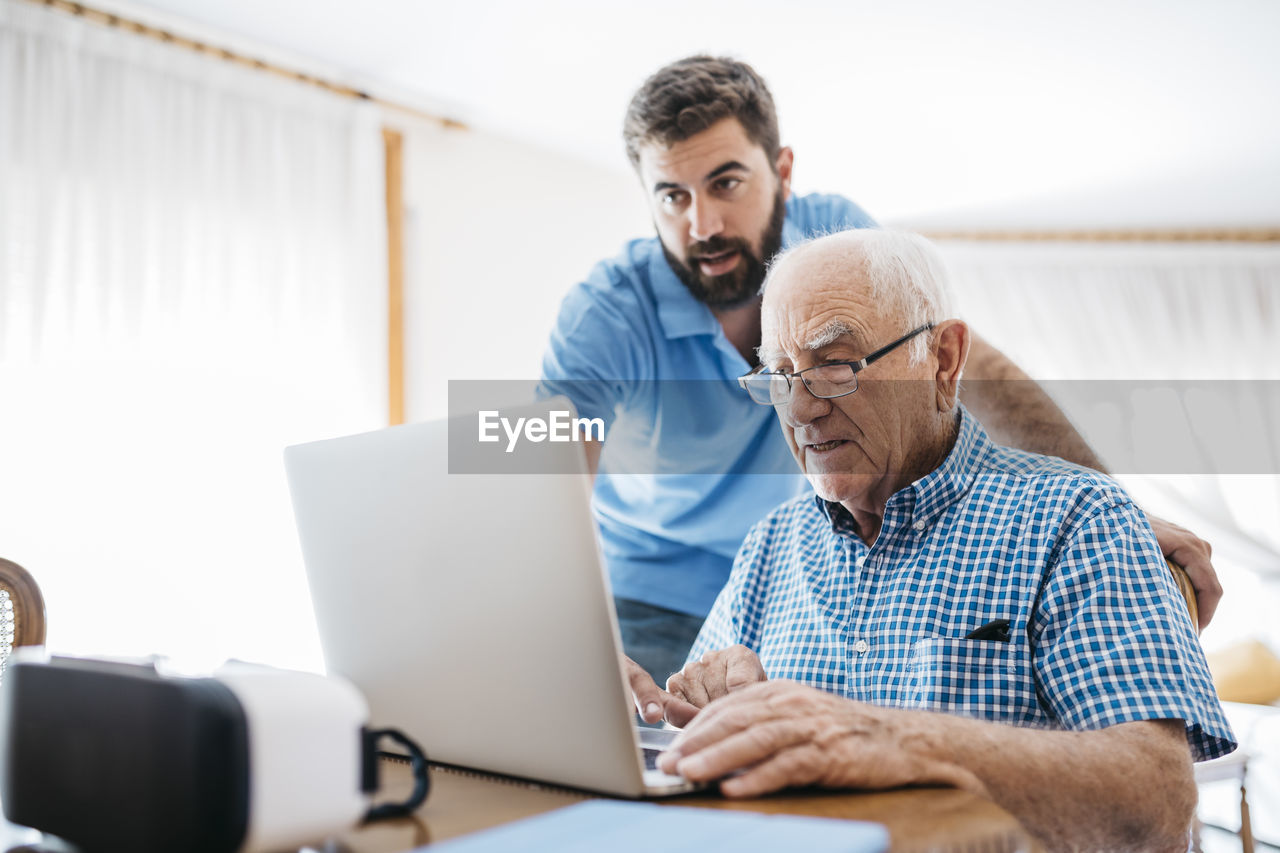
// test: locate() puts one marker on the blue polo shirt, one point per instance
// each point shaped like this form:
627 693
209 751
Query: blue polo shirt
690 463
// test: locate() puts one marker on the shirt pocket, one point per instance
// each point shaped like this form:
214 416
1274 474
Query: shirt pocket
975 678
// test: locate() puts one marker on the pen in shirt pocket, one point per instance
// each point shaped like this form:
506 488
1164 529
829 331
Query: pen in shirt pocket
996 629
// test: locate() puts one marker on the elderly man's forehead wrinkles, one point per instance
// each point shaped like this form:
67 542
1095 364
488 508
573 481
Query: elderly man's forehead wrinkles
775 349
814 300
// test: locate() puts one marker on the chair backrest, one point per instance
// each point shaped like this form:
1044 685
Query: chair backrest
1183 581
21 610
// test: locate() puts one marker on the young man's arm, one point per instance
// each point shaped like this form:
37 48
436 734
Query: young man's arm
1017 412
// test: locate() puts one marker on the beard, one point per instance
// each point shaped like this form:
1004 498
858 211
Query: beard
741 284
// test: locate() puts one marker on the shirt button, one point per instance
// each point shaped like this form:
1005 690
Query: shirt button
861 647
919 526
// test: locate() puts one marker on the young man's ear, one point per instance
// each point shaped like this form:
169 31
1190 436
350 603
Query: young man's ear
951 345
783 165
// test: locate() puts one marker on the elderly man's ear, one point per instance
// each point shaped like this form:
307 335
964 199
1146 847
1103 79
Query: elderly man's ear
951 345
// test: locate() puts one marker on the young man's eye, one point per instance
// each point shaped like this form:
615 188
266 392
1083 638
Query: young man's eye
672 197
726 184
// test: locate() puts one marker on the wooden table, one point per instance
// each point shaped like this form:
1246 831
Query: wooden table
919 819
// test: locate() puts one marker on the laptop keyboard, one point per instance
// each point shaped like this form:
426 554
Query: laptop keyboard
650 757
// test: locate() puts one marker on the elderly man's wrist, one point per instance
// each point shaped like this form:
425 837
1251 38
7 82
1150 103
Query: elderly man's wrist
935 745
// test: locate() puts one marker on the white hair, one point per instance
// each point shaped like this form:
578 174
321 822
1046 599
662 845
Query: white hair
906 273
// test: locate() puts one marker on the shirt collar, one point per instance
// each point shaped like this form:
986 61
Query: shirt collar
938 489
679 312
946 484
840 519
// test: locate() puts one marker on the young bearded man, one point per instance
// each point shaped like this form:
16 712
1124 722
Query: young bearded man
653 340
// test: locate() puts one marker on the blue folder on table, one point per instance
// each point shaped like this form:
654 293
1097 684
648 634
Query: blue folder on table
644 827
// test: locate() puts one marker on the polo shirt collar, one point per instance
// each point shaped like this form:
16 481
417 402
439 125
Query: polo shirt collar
940 488
679 312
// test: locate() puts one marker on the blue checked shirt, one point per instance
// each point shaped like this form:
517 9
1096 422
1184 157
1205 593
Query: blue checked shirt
1099 634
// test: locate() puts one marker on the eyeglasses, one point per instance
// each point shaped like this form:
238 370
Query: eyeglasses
824 381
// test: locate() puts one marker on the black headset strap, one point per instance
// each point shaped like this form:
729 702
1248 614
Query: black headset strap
418 763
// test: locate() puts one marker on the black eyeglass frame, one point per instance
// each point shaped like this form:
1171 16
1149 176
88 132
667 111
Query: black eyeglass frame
857 367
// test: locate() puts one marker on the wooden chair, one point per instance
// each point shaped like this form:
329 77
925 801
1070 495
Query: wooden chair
21 610
1183 582
1235 766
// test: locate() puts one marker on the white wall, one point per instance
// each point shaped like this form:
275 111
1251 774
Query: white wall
496 233
994 113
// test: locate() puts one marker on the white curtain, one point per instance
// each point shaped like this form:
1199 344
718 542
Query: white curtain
1105 317
192 276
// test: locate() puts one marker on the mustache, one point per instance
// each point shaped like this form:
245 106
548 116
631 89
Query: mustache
716 246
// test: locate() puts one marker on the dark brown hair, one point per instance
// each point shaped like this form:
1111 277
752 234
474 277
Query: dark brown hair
688 96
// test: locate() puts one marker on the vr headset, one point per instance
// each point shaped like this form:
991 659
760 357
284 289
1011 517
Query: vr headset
115 756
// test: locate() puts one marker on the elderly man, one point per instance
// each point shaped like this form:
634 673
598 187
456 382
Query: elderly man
945 610
703 136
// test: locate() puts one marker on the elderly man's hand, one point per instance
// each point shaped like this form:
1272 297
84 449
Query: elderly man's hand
719 673
652 702
1188 550
781 734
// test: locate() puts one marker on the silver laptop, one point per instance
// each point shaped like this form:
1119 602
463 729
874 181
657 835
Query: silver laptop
472 609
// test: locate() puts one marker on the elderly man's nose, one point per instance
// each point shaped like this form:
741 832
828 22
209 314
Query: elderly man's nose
804 408
705 220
